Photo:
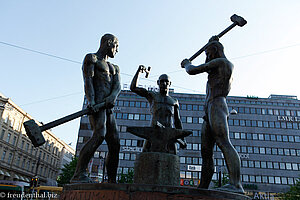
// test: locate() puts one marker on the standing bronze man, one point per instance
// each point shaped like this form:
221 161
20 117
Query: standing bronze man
101 84
163 107
215 126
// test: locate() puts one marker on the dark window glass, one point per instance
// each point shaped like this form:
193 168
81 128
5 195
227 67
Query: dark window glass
258 111
230 122
259 123
247 110
142 117
195 120
253 123
283 125
126 103
189 107
236 122
120 103
241 110
289 125
252 110
125 116
249 136
138 104
119 115
143 104
242 122
277 124
267 137
248 123
279 138
201 107
271 124
148 117
195 107
131 104
281 112
273 137
266 124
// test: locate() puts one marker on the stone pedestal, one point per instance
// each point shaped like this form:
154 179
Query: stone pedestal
99 191
157 168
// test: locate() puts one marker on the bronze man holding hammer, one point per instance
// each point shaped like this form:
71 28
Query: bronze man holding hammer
215 126
101 84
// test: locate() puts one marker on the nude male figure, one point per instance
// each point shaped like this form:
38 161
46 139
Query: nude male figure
101 84
164 109
215 127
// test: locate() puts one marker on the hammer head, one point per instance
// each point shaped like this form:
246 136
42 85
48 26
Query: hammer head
240 21
34 133
147 71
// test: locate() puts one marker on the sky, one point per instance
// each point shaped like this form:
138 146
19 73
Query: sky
42 45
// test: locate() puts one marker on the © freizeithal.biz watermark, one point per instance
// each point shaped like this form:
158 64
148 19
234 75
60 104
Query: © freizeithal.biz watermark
24 195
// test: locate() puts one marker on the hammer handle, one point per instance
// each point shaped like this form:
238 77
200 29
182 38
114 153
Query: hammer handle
219 35
69 117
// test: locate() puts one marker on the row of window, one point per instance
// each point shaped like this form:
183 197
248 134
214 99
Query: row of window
9 156
265 124
196 107
265 111
267 150
269 165
246 178
11 139
27 165
264 136
229 101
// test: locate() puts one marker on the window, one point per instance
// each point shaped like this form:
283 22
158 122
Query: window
2 134
182 160
9 157
130 116
8 137
3 155
189 119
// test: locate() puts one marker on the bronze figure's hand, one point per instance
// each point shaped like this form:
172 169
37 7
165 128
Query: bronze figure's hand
185 62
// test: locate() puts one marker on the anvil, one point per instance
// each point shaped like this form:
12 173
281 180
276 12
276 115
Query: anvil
159 137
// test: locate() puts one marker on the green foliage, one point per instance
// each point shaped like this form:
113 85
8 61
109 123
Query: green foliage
224 181
293 193
127 178
68 171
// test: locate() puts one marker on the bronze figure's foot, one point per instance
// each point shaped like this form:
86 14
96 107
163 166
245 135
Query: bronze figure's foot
232 188
82 178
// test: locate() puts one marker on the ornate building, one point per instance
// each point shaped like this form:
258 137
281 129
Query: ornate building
20 160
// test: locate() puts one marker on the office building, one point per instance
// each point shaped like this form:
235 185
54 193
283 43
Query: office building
264 131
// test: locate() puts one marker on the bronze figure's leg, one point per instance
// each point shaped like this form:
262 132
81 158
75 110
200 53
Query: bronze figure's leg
97 121
218 116
113 142
207 147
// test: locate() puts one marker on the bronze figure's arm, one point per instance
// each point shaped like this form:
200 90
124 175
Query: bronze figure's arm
134 84
193 70
88 74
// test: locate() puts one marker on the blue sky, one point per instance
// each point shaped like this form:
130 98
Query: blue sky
156 33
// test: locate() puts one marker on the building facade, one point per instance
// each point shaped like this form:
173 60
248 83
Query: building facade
20 160
264 131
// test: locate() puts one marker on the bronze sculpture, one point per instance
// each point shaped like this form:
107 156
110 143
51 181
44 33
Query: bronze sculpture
163 107
101 84
215 126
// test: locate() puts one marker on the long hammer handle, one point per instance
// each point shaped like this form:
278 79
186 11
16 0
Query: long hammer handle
219 35
69 117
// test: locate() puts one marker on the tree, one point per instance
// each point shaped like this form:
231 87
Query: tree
224 180
293 193
67 172
127 178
